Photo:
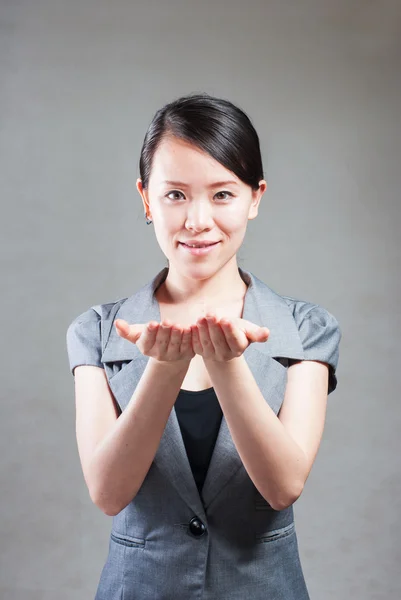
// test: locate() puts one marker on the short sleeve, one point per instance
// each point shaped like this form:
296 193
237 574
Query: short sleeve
320 336
84 340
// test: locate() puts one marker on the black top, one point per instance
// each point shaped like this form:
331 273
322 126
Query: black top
199 415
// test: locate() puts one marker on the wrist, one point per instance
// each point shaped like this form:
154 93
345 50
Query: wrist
174 366
223 364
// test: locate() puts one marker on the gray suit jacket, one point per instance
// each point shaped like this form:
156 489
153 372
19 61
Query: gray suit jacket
226 543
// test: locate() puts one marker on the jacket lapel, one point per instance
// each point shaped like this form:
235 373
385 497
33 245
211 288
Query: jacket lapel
261 306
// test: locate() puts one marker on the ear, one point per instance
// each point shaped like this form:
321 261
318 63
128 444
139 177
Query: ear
256 198
144 195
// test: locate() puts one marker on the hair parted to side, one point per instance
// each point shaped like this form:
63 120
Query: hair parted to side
214 125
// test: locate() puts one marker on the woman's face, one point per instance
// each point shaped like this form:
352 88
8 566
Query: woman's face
191 196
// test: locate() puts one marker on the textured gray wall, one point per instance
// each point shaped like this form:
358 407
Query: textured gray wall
80 81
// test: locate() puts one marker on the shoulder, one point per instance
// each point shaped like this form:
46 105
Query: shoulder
305 311
320 334
85 332
89 320
95 313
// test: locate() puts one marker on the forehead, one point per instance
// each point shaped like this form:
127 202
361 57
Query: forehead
178 159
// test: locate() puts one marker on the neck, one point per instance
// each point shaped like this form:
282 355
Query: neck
221 288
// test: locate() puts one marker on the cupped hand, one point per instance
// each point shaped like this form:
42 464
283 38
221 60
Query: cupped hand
215 339
165 341
222 340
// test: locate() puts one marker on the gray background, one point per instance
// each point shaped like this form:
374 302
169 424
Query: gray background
80 82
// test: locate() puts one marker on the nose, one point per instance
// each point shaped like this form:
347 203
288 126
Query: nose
199 216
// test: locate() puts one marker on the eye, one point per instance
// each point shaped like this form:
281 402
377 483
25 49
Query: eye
178 192
225 192
173 192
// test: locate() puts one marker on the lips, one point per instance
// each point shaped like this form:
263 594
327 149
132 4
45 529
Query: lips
198 245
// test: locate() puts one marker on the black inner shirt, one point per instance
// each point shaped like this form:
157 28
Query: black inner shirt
199 415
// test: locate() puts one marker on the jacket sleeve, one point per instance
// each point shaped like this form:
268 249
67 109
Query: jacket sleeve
84 340
320 335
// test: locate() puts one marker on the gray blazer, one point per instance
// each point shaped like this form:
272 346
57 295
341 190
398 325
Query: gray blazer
226 543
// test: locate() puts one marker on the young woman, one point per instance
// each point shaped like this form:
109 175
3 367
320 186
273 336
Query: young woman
201 398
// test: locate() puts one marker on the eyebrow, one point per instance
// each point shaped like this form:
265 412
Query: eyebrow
212 185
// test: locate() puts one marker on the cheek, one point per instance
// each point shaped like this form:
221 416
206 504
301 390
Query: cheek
165 229
232 222
167 220
170 215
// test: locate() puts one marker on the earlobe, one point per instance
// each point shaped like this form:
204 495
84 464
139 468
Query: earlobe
253 214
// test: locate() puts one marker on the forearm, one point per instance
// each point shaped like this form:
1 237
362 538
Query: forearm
123 458
272 459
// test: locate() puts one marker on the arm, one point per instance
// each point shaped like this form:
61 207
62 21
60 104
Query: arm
277 452
116 453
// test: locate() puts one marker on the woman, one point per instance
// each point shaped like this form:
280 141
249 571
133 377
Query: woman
201 398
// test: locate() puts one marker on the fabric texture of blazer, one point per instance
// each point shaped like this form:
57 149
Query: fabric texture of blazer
226 543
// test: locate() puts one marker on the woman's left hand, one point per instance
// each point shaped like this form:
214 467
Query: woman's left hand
221 340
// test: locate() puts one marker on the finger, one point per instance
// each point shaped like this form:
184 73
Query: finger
150 335
186 340
163 335
258 334
175 338
203 337
196 343
218 337
234 336
122 327
130 332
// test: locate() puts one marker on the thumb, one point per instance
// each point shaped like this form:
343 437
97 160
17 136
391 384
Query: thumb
256 333
132 333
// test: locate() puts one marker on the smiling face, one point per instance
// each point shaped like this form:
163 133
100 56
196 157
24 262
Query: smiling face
187 200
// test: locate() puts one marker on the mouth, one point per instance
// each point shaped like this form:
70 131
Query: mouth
205 245
200 249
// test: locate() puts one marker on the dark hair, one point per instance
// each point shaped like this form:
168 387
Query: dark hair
214 125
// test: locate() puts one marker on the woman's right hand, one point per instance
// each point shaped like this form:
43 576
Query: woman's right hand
165 342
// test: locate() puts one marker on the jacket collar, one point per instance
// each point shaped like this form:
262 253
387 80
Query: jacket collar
262 306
